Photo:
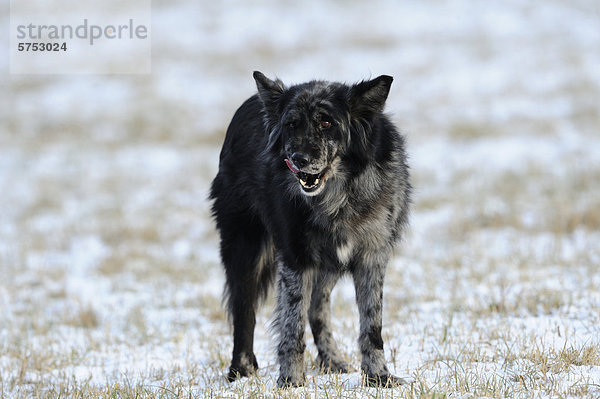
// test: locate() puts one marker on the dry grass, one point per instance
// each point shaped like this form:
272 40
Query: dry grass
476 348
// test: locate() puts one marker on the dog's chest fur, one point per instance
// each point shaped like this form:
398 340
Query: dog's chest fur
359 228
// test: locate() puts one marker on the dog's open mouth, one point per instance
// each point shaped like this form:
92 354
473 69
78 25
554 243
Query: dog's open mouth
309 182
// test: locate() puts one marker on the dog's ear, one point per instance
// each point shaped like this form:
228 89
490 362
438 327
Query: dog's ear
368 97
269 91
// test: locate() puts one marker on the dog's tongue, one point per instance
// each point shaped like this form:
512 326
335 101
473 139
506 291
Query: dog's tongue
291 166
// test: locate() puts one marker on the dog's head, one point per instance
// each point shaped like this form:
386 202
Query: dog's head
313 125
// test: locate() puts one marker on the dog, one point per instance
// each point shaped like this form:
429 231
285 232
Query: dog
313 183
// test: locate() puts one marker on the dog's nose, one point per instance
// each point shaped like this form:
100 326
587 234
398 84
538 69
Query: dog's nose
300 159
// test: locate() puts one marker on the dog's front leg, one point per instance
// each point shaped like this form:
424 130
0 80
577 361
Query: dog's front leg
293 296
319 317
368 283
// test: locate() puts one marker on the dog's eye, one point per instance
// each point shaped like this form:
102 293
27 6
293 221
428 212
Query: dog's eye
292 124
325 124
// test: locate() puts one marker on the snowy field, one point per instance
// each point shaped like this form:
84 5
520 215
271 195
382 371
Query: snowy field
110 282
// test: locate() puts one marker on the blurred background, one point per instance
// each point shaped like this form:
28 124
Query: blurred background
108 257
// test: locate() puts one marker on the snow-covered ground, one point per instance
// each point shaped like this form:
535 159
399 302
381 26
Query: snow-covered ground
110 282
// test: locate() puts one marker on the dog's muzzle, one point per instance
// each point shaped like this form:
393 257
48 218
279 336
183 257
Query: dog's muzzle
309 182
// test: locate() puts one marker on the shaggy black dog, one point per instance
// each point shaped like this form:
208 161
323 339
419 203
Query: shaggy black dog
312 184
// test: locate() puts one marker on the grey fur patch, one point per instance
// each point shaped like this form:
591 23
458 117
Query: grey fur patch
266 257
368 283
293 297
319 314
344 252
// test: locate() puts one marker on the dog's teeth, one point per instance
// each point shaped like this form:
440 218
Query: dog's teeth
303 182
316 181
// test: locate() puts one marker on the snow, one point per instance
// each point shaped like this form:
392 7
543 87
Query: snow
109 261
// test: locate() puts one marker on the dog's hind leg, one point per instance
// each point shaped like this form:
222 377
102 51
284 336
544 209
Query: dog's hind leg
319 316
249 267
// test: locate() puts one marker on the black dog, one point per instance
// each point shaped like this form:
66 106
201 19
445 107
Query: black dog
312 183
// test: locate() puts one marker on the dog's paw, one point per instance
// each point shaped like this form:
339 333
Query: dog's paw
329 365
383 381
290 382
244 367
236 372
